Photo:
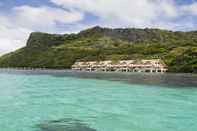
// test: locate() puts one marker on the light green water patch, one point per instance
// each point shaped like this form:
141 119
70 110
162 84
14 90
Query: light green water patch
29 100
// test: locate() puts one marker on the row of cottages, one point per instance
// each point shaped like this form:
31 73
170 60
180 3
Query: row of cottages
155 65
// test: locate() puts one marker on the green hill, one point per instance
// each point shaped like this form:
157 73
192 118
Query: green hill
177 49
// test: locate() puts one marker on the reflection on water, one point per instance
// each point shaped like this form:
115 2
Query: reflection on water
167 79
64 125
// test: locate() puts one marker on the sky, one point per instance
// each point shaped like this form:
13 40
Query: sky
18 18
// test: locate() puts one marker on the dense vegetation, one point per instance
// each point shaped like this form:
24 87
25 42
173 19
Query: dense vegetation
177 49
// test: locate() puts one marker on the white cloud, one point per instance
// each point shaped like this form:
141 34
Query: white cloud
192 8
136 13
44 17
11 37
167 8
140 12
15 27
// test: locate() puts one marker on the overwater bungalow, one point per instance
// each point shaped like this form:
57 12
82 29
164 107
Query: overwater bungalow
152 66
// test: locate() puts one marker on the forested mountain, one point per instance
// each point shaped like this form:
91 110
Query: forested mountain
177 49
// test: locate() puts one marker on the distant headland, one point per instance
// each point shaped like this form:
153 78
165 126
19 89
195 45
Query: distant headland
178 50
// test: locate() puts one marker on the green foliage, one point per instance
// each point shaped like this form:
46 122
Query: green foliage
177 49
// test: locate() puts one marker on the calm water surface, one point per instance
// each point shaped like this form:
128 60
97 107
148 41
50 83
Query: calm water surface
71 101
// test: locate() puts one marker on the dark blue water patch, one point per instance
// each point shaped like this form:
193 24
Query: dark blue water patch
165 80
64 125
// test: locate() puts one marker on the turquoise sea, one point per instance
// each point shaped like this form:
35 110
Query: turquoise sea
71 101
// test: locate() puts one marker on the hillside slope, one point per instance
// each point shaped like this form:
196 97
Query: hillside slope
177 49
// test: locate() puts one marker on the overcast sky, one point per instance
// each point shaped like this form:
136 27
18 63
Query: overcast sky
20 17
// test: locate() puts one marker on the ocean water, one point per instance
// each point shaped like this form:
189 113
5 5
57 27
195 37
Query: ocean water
71 101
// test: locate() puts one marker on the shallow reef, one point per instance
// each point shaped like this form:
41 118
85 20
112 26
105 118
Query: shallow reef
64 125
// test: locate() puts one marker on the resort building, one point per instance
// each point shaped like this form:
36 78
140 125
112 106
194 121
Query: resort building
153 66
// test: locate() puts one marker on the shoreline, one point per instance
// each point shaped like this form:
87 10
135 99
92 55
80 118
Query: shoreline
165 79
148 79
88 72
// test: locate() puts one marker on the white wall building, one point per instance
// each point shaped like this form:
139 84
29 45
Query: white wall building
155 65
